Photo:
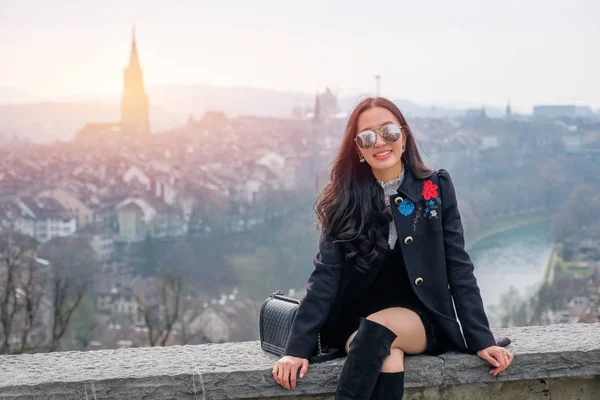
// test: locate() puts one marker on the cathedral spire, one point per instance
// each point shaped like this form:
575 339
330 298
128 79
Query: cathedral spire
134 103
133 57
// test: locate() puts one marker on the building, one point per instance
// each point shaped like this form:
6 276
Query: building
549 111
101 239
74 205
99 131
43 218
134 103
118 301
232 318
138 216
135 114
563 111
328 103
476 113
325 105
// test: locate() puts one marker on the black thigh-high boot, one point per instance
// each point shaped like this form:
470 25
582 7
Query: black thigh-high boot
390 386
369 348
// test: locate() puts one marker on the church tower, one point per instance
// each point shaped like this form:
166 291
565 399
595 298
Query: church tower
317 113
508 113
134 103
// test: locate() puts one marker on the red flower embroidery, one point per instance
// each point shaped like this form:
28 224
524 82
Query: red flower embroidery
430 190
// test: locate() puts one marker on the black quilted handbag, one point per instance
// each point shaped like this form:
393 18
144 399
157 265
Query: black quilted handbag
277 314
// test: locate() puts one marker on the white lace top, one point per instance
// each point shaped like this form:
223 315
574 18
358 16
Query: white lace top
389 188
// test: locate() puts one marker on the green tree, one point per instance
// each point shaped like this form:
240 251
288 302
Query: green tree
578 211
82 321
149 256
514 311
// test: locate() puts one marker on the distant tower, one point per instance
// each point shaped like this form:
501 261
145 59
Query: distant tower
508 110
328 103
134 103
377 85
190 120
317 115
482 113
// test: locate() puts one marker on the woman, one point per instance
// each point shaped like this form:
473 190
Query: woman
390 265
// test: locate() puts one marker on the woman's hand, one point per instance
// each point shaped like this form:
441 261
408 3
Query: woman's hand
498 356
285 370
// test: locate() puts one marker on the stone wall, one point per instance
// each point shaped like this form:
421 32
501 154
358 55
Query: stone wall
557 362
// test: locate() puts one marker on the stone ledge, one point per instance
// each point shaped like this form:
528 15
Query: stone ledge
243 371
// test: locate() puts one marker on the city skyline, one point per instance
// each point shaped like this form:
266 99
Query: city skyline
464 54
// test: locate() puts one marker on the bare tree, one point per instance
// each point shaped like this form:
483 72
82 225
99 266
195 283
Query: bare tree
592 311
168 302
73 266
161 307
20 291
189 331
31 290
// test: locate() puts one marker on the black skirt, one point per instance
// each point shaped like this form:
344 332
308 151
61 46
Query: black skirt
390 288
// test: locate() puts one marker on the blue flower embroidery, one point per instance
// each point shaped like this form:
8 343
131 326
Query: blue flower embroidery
407 207
430 202
427 210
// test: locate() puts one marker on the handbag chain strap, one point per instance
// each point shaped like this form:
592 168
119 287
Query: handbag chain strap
279 294
319 349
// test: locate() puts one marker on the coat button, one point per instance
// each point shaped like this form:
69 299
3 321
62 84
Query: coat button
408 240
418 281
399 200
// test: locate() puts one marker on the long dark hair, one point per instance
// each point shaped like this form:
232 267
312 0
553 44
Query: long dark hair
351 207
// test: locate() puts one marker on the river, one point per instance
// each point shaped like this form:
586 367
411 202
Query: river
516 257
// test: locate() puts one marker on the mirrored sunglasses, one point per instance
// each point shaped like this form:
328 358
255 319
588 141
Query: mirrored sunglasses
390 133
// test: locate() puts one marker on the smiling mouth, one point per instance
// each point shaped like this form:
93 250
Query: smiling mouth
383 153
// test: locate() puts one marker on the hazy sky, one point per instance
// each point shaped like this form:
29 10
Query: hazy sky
435 52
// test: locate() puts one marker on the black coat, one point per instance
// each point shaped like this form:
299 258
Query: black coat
430 230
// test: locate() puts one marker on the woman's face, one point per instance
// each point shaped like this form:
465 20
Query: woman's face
382 155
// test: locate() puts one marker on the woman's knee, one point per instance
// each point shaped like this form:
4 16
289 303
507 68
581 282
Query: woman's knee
379 317
407 325
394 362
